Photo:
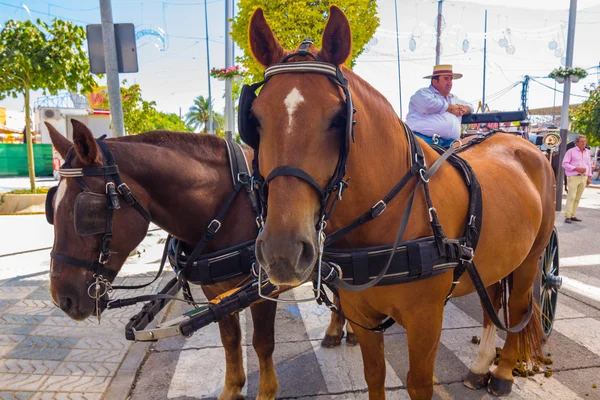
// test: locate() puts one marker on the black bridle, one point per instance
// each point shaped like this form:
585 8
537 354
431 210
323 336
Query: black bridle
337 183
115 187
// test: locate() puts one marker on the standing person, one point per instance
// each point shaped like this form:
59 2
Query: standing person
577 163
434 114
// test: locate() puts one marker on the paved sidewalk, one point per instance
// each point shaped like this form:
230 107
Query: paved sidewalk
46 355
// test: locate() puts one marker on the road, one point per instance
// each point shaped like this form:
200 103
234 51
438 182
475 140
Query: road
194 368
45 355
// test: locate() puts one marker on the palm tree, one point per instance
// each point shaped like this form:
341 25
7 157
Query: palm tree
199 114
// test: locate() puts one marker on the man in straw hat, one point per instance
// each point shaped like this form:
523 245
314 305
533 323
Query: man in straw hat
434 114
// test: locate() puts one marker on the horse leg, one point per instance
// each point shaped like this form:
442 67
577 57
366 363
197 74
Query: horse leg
423 329
335 330
526 345
235 378
479 373
263 340
351 339
371 347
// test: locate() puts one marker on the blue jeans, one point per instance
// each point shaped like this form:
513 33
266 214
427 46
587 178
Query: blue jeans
429 140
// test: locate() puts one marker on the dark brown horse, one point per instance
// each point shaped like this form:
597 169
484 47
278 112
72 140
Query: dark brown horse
182 180
300 119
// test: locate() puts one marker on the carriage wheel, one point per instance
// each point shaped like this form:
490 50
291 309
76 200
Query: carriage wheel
550 282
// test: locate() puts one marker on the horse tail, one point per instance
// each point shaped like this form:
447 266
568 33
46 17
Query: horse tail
532 337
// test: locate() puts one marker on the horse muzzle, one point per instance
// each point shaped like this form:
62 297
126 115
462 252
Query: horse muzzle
287 259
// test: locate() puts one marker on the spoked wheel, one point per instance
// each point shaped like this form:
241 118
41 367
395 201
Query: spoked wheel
549 283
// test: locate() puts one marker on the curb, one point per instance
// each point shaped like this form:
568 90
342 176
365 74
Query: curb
18 204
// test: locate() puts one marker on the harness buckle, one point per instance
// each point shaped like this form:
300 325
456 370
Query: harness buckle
432 211
422 173
260 222
242 177
378 209
466 254
435 138
124 190
101 258
213 227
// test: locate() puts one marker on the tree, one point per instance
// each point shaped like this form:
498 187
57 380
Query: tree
586 118
137 112
304 19
36 56
167 121
198 115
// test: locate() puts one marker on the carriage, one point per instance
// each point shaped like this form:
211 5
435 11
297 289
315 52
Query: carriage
289 251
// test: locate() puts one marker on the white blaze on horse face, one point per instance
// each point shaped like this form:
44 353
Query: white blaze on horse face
60 192
291 102
487 351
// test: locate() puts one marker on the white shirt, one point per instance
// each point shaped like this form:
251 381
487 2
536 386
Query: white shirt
427 113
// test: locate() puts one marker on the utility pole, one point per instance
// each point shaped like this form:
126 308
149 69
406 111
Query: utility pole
438 49
229 110
564 115
112 69
484 60
398 52
210 110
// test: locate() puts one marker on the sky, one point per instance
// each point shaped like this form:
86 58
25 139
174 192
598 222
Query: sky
174 73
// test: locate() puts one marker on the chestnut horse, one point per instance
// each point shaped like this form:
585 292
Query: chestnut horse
181 180
301 118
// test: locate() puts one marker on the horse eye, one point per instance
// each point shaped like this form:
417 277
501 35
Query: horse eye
337 123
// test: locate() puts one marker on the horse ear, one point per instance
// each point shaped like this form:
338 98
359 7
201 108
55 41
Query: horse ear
60 143
337 38
264 45
85 144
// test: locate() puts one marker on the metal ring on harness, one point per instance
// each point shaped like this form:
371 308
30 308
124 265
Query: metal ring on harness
459 143
422 172
431 211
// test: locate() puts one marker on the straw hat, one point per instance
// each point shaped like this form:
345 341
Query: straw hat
443 69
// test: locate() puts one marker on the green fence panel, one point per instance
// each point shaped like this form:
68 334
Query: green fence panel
13 159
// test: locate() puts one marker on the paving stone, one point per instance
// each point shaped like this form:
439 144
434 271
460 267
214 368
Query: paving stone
67 396
10 340
68 322
35 367
16 395
15 292
73 368
21 382
21 281
96 355
6 304
39 353
14 319
10 329
5 350
31 310
43 348
78 384
41 293
74 331
103 343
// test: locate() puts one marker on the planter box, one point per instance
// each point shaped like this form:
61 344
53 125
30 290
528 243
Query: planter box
560 79
574 78
22 204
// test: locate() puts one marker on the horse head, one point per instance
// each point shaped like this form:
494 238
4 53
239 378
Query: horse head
81 220
300 121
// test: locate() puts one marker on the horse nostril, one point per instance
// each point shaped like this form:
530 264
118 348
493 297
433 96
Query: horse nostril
307 253
65 303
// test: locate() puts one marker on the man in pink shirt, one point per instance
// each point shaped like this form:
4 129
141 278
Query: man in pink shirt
577 163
